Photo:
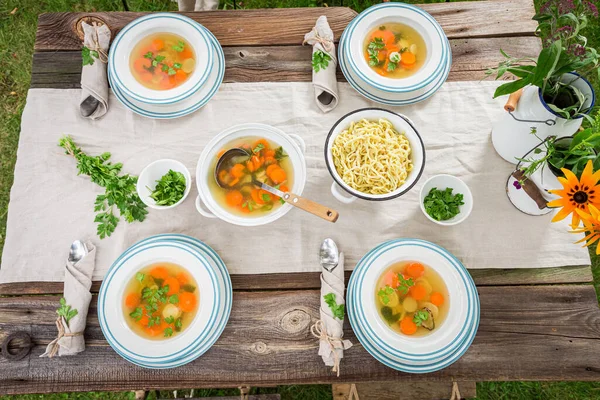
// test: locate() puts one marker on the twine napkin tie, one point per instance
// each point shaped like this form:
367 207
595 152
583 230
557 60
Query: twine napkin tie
324 64
94 81
78 281
329 328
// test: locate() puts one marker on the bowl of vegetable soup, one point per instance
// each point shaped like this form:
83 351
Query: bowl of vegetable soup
161 58
272 157
164 301
395 53
413 305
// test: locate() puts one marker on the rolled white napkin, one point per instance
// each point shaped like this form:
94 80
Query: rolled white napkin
94 82
324 63
197 5
78 280
329 329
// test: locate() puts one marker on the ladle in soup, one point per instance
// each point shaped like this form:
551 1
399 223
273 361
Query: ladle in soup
240 156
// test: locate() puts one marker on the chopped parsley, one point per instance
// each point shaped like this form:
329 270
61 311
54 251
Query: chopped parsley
442 205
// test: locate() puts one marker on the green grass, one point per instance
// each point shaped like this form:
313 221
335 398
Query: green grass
17 34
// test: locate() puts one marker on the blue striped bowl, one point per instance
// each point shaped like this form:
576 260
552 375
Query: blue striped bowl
186 106
438 50
418 354
132 33
197 338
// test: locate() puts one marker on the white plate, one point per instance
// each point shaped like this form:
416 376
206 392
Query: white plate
130 36
184 107
215 300
432 33
440 345
388 98
292 144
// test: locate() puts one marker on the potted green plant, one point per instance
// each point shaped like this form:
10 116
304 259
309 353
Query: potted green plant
555 95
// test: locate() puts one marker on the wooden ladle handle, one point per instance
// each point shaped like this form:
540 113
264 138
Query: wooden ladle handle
513 100
310 206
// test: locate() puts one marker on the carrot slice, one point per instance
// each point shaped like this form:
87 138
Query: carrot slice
159 273
237 171
142 64
408 58
272 168
284 188
256 196
407 326
186 53
418 292
388 37
132 300
144 320
180 76
173 285
187 301
278 175
220 153
259 142
183 278
157 44
234 198
391 279
437 298
414 270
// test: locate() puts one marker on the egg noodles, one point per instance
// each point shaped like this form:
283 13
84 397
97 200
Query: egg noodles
372 157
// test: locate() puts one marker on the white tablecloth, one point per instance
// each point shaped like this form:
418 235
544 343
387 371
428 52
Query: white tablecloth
51 206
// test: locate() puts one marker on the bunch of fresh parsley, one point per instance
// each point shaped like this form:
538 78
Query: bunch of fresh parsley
336 309
120 191
320 60
169 189
66 311
442 205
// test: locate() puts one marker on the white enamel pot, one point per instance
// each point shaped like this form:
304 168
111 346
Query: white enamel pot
346 194
512 138
292 144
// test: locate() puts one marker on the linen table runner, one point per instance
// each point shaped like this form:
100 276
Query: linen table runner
51 206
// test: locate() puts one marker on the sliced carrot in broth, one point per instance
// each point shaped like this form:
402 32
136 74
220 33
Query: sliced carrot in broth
173 285
388 37
132 300
187 301
159 273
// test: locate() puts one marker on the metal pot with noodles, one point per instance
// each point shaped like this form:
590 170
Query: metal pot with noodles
373 154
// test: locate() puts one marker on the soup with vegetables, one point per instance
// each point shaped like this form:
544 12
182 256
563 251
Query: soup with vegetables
395 50
412 298
160 301
266 162
162 61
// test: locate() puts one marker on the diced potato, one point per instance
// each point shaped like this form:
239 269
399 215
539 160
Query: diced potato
394 301
410 304
413 48
425 283
188 65
171 310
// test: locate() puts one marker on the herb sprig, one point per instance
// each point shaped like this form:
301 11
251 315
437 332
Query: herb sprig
169 189
442 205
120 189
336 309
88 55
420 316
66 311
320 60
376 45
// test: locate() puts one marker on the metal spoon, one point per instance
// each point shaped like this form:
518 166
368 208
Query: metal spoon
224 160
300 202
78 251
329 255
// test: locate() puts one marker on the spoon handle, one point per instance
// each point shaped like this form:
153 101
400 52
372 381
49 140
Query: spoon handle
310 206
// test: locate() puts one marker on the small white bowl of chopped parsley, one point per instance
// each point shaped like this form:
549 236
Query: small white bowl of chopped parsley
446 200
164 184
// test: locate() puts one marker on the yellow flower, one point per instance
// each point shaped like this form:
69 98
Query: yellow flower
591 226
576 194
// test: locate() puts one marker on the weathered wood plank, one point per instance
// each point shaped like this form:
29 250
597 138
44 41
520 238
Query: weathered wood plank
310 280
526 333
57 31
404 390
282 26
471 58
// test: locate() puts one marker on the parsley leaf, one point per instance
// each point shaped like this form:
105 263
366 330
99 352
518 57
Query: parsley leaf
65 310
442 205
140 277
169 189
179 47
258 148
336 309
420 316
384 294
174 299
178 324
137 313
120 190
320 60
87 56
168 332
177 65
373 49
170 319
404 284
280 153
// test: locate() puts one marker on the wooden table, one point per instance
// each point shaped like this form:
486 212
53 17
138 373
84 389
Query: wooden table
539 324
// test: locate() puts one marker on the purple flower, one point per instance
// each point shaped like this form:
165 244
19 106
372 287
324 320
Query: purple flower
566 29
577 50
591 8
517 185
